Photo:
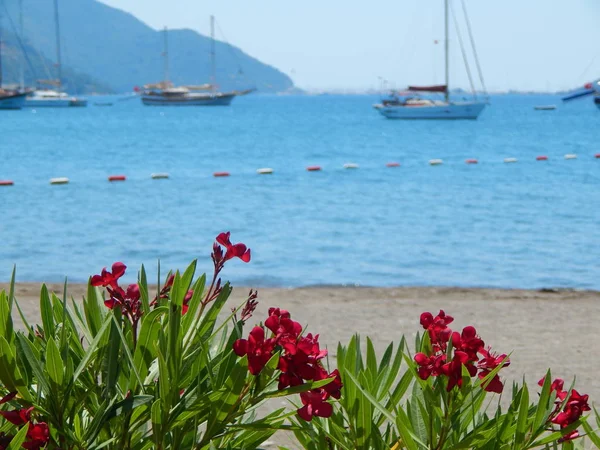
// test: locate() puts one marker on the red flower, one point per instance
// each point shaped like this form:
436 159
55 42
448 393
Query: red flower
333 388
314 405
186 301
233 250
468 342
429 366
437 327
38 436
487 364
109 279
453 369
8 397
575 406
300 360
19 416
258 349
280 323
557 385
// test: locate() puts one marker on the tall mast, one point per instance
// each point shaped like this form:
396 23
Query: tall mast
166 55
446 50
22 56
58 58
1 80
213 66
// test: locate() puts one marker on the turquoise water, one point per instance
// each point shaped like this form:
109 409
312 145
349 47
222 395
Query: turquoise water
530 224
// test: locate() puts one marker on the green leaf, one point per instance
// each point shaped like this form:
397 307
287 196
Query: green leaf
10 374
32 357
522 418
6 325
91 349
17 441
542 413
54 364
46 312
591 434
94 313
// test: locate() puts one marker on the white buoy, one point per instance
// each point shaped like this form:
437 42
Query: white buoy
510 160
570 156
350 166
264 171
435 162
159 176
59 180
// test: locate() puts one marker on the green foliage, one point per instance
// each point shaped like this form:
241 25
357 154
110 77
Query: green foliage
386 405
172 383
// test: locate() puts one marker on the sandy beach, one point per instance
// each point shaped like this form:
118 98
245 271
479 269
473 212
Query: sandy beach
542 329
555 329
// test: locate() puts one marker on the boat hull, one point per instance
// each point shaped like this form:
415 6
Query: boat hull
12 101
191 100
55 103
451 111
597 101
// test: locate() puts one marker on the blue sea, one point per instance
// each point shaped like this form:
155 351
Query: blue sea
529 224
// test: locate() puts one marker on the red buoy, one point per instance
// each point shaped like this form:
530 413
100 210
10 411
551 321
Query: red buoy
313 168
117 178
542 158
597 155
221 174
6 182
393 164
471 161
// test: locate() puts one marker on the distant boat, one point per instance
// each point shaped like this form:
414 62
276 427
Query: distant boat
9 98
166 93
545 107
48 93
592 88
408 105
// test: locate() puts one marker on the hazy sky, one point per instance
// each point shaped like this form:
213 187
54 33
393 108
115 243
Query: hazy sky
522 44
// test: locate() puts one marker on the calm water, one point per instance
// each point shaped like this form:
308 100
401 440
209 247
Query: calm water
529 224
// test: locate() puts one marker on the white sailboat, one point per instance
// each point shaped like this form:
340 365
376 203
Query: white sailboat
408 105
9 98
49 93
165 93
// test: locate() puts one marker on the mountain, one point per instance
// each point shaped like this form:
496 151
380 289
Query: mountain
121 52
36 67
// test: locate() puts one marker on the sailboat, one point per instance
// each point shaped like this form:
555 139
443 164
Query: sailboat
9 98
592 88
408 105
49 93
165 93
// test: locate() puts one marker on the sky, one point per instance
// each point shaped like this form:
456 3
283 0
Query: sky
537 45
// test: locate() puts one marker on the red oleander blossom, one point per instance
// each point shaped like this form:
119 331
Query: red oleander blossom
8 397
107 278
487 364
280 323
468 342
258 349
233 250
38 436
453 369
556 386
19 416
429 365
333 388
314 405
437 328
574 408
186 301
300 360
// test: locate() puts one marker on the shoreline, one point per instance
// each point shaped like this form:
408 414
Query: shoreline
540 329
